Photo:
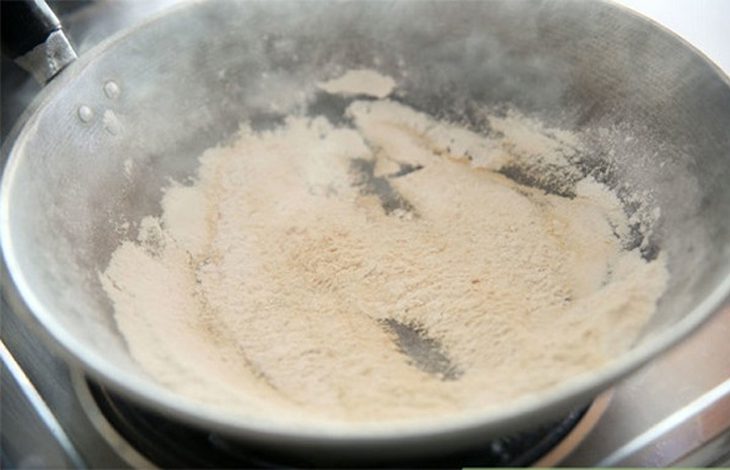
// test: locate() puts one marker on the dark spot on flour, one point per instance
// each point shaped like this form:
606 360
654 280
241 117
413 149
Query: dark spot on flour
391 200
405 169
424 352
549 182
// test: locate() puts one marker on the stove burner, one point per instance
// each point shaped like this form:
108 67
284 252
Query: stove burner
168 443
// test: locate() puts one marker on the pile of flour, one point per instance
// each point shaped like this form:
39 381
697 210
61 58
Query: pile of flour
378 272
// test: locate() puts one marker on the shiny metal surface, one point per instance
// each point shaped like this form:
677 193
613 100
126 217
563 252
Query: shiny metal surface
40 402
49 58
121 448
670 409
677 435
605 68
29 428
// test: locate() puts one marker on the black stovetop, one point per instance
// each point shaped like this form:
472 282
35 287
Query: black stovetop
172 444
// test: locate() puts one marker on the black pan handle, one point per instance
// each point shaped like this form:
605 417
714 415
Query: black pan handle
33 37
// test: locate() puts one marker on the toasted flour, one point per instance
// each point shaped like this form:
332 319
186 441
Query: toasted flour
388 271
364 82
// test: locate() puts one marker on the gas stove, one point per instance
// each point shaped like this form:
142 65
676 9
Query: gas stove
674 411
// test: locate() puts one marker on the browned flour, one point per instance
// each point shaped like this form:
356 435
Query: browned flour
322 274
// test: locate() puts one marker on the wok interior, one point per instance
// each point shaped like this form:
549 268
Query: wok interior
654 117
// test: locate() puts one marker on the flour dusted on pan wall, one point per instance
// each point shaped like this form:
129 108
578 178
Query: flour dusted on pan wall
362 82
383 272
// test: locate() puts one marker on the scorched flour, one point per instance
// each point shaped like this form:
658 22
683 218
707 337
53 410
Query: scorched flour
379 271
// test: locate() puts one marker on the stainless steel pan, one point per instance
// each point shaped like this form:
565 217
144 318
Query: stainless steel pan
168 89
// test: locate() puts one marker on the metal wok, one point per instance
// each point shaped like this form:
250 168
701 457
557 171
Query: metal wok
184 80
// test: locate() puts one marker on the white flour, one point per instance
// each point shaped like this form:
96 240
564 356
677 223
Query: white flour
360 82
285 283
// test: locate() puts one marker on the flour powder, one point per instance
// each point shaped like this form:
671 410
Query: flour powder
382 271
